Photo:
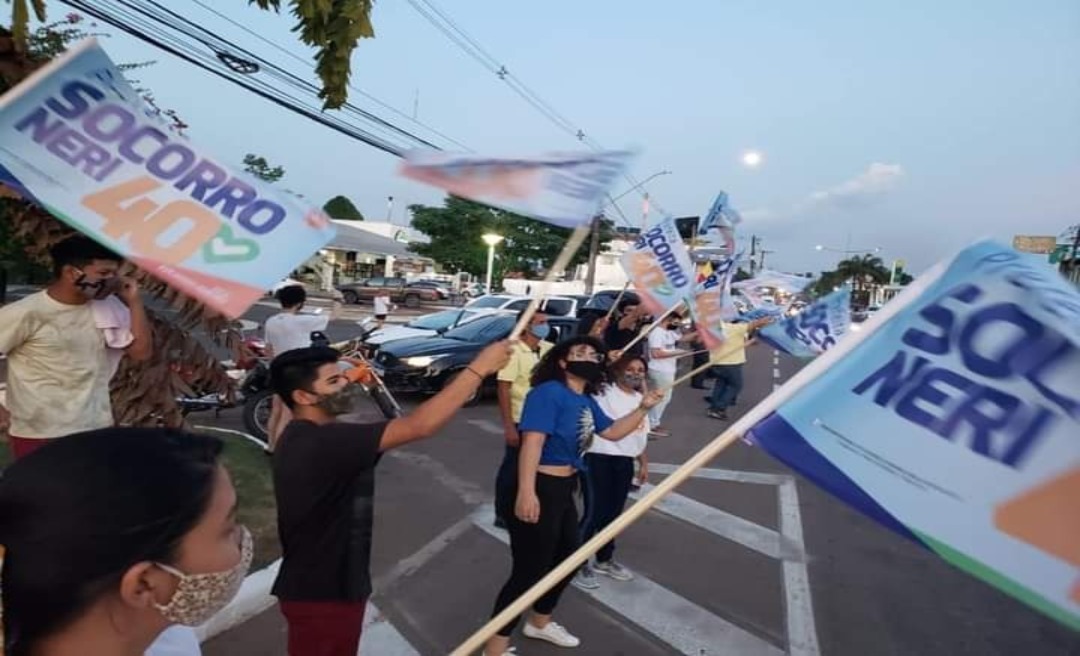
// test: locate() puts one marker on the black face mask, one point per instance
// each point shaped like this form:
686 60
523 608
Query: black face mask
590 372
97 289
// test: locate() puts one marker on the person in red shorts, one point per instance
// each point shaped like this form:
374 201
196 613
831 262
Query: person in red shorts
324 484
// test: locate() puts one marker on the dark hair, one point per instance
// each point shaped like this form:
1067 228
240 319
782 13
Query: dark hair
76 514
298 369
79 251
291 295
627 302
548 368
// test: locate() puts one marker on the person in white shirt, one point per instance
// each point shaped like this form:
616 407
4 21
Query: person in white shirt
609 468
290 329
382 309
664 353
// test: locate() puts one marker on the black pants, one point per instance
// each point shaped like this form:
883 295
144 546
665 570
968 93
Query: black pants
538 548
606 487
506 485
729 382
698 379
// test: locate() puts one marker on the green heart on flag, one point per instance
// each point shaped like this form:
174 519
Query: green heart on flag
224 247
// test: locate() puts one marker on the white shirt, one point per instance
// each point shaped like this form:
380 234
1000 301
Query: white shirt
665 340
382 305
617 404
175 641
287 331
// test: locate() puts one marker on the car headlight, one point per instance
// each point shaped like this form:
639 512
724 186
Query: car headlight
422 360
856 327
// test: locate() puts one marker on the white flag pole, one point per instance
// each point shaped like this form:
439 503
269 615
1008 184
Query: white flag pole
572 245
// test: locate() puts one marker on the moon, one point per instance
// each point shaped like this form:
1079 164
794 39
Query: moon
752 159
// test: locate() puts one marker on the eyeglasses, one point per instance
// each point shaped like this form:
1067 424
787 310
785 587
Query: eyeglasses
586 356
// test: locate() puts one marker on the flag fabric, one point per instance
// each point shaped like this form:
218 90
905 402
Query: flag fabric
764 312
712 304
76 139
814 330
716 232
953 418
659 266
785 282
564 189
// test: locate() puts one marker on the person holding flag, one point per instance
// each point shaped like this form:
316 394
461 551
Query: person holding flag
728 364
664 353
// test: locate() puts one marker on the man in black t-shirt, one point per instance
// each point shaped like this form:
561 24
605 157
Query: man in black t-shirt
629 319
324 483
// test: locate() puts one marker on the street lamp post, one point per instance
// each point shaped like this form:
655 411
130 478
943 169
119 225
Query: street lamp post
492 240
848 251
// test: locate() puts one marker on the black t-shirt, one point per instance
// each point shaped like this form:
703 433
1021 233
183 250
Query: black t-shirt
616 338
324 483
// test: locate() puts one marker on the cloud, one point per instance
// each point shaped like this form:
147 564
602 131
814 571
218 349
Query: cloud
876 181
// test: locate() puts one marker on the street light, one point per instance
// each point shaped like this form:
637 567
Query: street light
492 240
638 185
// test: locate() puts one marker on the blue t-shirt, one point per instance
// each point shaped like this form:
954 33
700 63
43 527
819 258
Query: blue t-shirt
570 420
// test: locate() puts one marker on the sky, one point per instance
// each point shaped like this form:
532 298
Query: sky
914 127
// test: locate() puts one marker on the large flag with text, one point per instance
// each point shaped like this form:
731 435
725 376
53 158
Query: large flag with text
659 266
953 418
814 330
76 139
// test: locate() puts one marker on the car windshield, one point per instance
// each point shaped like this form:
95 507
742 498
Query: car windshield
484 329
559 307
488 302
439 320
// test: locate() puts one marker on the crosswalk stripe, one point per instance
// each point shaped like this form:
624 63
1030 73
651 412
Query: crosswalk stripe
723 524
380 637
682 624
799 605
724 474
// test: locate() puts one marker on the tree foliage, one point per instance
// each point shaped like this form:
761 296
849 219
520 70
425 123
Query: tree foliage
455 230
861 271
257 166
340 207
333 27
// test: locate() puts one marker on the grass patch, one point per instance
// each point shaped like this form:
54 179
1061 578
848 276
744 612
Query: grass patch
250 471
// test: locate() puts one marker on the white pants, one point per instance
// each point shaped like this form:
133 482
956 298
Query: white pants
659 380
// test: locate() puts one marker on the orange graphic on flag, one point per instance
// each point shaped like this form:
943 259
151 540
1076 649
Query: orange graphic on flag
1048 518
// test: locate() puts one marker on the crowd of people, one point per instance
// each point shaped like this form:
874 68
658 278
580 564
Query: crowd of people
110 536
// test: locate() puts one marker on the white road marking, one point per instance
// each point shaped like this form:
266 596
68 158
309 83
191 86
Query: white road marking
723 524
799 603
411 564
486 425
776 373
380 637
724 474
682 624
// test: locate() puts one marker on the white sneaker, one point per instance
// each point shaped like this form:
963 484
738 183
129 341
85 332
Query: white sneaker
553 633
614 570
586 578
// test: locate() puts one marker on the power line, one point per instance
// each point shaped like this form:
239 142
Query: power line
300 59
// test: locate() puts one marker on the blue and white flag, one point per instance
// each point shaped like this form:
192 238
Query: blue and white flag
814 330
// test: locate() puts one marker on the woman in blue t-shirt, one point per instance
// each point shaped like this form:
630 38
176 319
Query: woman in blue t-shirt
557 426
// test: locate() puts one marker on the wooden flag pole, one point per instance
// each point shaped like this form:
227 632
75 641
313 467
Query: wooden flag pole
722 354
560 263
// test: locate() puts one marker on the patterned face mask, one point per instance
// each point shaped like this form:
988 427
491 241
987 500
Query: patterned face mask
199 596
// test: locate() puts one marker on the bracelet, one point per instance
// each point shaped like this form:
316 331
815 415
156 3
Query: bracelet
474 372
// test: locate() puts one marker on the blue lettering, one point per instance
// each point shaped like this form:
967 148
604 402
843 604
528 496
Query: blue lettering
999 365
158 166
94 122
273 213
924 390
892 378
205 175
231 195
942 317
38 120
75 93
127 146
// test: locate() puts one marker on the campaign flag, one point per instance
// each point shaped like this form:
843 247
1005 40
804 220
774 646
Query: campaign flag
76 139
711 303
716 232
564 189
659 266
953 418
814 330
785 282
765 312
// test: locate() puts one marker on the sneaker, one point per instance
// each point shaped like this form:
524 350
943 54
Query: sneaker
553 633
718 414
659 432
614 570
586 578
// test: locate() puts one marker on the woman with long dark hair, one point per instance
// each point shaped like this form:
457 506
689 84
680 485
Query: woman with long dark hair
113 535
609 467
557 425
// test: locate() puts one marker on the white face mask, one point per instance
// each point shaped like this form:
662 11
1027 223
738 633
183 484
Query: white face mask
199 597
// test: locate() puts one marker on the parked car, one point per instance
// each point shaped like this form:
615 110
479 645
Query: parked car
397 289
473 290
556 306
426 364
428 325
440 289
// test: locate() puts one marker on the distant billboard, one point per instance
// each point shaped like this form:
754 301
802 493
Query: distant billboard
1034 244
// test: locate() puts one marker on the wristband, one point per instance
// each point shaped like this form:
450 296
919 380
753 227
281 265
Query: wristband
474 372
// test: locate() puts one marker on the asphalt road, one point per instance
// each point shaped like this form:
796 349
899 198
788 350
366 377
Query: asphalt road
746 559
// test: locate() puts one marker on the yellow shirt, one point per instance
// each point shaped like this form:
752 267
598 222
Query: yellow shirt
518 371
58 368
733 350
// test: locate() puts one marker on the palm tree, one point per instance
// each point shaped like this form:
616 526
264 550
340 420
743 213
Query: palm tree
863 271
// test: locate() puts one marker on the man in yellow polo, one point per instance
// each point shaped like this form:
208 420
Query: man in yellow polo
727 369
514 383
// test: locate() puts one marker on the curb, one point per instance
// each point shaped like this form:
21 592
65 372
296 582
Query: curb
254 598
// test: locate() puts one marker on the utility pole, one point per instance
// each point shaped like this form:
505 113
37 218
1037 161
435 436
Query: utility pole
754 241
594 252
389 209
